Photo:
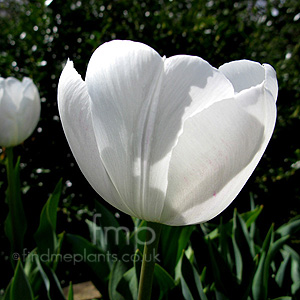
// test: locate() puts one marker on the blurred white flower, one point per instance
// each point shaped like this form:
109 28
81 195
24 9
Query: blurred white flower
19 110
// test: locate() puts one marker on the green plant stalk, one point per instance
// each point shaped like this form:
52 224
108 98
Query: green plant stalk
148 264
15 223
12 195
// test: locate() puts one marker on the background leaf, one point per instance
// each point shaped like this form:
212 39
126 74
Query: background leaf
20 287
45 236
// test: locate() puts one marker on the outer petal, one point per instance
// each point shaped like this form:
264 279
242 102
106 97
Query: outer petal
14 90
271 81
1 88
123 80
190 85
217 152
29 109
8 111
243 74
75 112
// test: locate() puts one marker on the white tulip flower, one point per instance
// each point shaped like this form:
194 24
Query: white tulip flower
20 109
168 140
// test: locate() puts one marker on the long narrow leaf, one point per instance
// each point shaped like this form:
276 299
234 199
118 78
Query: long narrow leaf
85 252
70 294
163 280
15 224
45 236
20 287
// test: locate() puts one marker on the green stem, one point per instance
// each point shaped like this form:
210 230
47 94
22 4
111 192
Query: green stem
12 196
15 223
148 264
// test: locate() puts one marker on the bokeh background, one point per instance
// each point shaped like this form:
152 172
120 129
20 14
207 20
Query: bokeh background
37 37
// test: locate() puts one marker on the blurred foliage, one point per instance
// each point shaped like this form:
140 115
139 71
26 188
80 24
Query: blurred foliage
231 260
37 37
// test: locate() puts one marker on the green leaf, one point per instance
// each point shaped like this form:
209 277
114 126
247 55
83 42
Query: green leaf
237 253
244 256
259 290
261 277
224 238
224 279
45 236
164 280
7 293
15 224
179 276
32 272
128 285
70 294
268 239
97 235
191 285
110 235
43 276
173 241
56 257
281 274
295 268
184 239
250 217
289 228
55 291
118 269
259 286
138 236
220 296
95 258
20 287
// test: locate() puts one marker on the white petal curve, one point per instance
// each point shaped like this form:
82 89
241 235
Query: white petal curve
216 154
14 89
189 85
75 113
271 80
8 114
29 109
123 79
243 74
1 88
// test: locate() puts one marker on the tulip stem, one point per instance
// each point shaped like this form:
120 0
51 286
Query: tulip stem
15 224
148 264
11 194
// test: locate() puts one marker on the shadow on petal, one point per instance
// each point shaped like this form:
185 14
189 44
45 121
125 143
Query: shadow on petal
215 156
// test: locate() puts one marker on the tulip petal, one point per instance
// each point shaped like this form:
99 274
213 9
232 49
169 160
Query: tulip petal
271 81
29 109
75 111
123 79
190 85
14 88
243 74
216 154
8 109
